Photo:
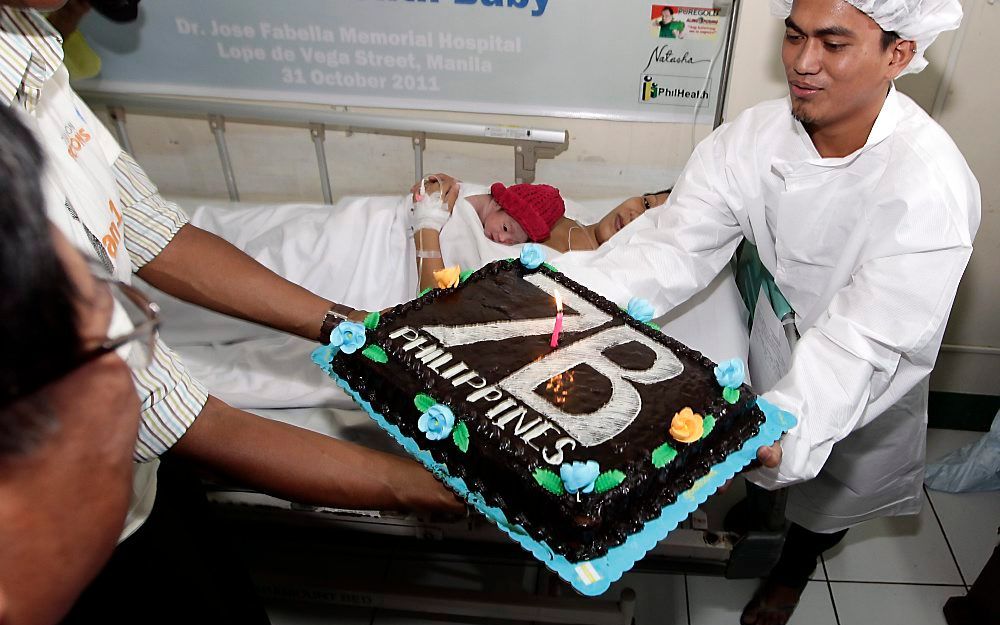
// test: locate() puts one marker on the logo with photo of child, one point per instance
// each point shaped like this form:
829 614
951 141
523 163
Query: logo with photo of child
680 22
667 21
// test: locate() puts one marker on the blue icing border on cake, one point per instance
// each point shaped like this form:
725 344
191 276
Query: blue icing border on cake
323 356
611 566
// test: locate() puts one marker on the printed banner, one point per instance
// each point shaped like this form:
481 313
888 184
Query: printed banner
675 22
623 60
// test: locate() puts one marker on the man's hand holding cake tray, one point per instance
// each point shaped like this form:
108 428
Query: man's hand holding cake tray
579 428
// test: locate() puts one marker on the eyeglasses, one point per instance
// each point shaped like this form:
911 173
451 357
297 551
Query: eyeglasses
144 316
646 196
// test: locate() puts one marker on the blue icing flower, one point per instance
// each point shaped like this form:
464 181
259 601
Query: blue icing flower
579 476
437 422
640 310
348 336
730 373
532 255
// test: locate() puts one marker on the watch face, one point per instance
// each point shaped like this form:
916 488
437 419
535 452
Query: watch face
117 10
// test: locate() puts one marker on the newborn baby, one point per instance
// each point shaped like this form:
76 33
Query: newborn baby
509 215
534 212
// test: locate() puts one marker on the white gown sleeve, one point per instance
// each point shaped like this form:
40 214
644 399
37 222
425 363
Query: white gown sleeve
894 308
671 252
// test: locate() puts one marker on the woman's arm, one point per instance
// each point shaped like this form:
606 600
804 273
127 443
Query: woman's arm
428 240
307 467
428 244
449 187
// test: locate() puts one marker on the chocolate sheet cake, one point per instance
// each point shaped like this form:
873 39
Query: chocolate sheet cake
586 453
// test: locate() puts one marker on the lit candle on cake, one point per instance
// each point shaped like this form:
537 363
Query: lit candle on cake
558 326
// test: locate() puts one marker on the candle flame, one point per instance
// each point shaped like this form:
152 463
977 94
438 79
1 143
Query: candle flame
558 302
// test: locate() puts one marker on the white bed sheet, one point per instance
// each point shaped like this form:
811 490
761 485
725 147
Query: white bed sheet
257 368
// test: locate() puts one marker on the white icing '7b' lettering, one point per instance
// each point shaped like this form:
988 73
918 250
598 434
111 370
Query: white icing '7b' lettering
623 405
597 427
589 317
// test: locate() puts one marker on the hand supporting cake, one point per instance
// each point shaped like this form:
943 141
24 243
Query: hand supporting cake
579 445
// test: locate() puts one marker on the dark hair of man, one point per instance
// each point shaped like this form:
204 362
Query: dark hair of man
38 331
889 37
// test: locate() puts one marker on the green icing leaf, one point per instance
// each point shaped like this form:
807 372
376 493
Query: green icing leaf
423 402
731 394
663 455
462 277
425 291
376 353
371 321
549 481
608 480
708 423
653 325
550 267
460 434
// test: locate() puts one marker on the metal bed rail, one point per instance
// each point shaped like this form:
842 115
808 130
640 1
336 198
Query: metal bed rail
530 144
385 536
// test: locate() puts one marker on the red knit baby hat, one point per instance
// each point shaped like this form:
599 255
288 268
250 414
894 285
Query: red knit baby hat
537 207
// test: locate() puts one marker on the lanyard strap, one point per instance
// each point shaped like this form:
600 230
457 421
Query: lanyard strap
102 254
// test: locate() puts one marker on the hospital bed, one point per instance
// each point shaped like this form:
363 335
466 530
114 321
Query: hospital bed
700 545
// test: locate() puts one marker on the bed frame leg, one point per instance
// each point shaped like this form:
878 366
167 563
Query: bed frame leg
419 143
626 602
117 115
524 162
318 134
218 125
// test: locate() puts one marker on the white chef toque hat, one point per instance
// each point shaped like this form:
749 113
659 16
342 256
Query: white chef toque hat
913 20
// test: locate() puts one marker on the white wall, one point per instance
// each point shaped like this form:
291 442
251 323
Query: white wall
620 158
604 159
970 116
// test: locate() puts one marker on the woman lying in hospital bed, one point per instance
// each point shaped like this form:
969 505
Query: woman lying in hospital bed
361 252
508 216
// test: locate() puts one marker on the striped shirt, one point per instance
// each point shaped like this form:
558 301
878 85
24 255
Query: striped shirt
30 54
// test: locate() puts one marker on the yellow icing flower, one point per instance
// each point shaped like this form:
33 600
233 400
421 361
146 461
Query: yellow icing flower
448 277
686 426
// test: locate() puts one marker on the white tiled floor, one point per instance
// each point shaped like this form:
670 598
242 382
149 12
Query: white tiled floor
719 601
891 604
970 519
900 549
886 572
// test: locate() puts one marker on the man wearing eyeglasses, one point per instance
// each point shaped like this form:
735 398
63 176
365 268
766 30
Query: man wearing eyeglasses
103 202
69 412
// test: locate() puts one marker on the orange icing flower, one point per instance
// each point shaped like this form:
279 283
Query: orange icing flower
686 426
448 277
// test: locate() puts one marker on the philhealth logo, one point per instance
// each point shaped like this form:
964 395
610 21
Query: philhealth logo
648 88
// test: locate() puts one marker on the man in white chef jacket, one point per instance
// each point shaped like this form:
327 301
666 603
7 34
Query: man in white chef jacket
864 211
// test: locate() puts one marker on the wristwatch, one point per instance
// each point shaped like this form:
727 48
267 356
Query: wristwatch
334 316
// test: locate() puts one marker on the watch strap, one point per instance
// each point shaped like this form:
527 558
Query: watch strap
333 317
